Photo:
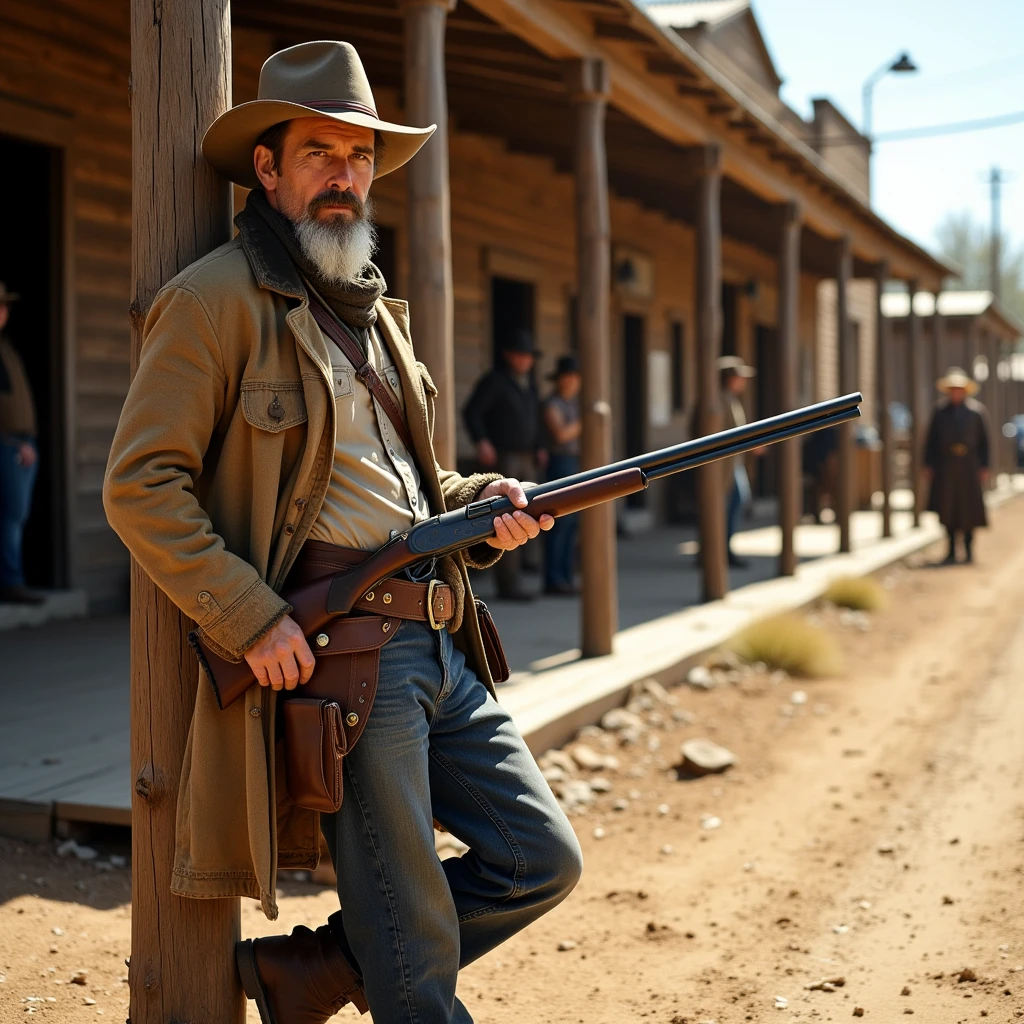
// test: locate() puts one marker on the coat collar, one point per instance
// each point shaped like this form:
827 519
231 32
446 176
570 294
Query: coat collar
271 265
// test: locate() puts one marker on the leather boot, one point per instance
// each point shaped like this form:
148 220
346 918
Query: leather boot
302 978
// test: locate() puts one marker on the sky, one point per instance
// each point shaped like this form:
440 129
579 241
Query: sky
971 61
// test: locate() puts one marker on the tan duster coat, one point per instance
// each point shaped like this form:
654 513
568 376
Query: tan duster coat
214 498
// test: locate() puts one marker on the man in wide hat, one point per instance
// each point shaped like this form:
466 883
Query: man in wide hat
956 460
734 373
253 455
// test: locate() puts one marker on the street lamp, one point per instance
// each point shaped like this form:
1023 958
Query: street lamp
901 64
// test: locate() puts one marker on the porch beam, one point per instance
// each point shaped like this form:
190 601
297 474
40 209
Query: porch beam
849 376
431 286
938 343
182 964
587 82
789 344
883 377
915 379
711 482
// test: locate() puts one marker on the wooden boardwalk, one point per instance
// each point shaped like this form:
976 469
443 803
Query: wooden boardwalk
64 726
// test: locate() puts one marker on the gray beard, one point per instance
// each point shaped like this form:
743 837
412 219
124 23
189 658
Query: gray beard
338 248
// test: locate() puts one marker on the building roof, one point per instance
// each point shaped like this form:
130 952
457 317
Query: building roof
951 303
690 13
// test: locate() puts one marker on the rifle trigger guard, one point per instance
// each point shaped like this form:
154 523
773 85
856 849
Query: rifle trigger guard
431 587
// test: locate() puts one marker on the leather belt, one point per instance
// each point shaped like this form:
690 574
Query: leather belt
431 602
958 448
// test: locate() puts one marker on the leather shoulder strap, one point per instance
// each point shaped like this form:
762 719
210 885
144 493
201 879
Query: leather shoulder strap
338 333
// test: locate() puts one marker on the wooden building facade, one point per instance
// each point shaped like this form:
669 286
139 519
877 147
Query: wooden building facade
708 174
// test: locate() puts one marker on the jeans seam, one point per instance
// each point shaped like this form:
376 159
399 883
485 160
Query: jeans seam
389 895
520 872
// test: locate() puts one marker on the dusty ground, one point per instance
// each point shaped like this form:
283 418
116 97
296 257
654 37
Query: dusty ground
874 833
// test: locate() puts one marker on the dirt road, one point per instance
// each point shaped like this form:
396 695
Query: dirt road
872 833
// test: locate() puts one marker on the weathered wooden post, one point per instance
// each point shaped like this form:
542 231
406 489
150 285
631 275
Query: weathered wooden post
915 373
431 289
182 957
849 372
711 482
789 344
588 87
883 374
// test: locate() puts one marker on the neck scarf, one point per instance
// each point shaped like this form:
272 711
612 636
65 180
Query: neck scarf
353 301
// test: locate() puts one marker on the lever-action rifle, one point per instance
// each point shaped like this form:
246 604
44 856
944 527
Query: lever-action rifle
316 603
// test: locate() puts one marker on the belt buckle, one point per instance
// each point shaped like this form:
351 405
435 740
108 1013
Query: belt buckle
431 587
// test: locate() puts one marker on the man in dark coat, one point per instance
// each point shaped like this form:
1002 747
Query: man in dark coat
502 416
956 460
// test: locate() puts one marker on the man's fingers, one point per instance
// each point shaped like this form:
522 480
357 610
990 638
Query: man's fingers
275 675
290 671
304 656
546 521
502 538
515 493
528 523
517 531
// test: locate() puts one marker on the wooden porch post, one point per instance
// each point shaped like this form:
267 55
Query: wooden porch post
938 343
182 956
995 398
711 483
849 373
588 87
789 451
915 373
883 373
431 289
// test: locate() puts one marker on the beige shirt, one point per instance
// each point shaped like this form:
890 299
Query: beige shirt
375 485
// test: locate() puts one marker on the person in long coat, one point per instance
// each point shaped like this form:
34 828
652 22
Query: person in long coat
956 460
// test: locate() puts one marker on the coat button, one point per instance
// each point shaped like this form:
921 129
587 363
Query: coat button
352 718
289 529
255 712
322 639
300 503
203 597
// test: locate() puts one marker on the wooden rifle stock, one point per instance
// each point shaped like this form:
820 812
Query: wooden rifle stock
316 603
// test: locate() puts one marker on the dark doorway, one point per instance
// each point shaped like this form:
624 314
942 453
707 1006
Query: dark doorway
512 306
386 258
634 378
766 403
730 294
30 264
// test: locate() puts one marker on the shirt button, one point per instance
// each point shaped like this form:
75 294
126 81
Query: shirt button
204 597
255 712
300 503
289 529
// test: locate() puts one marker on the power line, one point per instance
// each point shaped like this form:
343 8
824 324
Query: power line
930 131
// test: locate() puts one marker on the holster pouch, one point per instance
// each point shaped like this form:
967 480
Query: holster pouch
495 653
326 716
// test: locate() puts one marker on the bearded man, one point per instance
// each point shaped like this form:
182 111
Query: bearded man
252 455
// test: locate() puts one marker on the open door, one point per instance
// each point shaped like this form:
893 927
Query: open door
30 264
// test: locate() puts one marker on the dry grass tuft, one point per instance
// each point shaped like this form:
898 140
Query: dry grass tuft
789 643
859 593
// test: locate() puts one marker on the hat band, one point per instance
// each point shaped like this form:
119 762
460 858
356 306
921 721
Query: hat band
342 106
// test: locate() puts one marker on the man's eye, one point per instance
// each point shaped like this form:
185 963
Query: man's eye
361 156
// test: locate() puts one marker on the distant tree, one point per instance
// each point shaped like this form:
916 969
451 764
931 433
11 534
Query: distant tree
968 243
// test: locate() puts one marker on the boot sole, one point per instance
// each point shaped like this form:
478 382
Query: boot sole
252 984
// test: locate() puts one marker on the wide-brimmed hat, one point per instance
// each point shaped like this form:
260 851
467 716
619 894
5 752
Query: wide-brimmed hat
735 366
957 377
565 364
316 79
6 296
520 340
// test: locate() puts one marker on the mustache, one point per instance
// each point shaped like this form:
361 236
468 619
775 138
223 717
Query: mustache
333 197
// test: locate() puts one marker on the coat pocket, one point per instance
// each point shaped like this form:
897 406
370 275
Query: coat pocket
273 405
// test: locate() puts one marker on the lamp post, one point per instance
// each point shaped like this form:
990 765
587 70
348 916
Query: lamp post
901 64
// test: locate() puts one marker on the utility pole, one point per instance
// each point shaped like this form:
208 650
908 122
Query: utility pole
995 181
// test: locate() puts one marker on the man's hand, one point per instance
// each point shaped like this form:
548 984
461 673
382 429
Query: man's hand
282 658
513 528
486 453
27 454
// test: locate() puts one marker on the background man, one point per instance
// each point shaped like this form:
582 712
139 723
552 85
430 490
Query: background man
562 422
734 374
502 417
956 458
249 452
19 462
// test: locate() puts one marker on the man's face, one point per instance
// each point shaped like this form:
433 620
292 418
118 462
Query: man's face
5 312
736 384
568 385
957 395
519 362
324 172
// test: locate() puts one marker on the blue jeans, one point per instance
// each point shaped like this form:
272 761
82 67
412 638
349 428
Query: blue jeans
739 498
437 745
560 540
16 483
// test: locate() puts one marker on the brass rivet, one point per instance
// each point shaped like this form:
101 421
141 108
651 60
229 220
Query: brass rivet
386 626
352 718
362 700
387 599
255 712
369 596
322 639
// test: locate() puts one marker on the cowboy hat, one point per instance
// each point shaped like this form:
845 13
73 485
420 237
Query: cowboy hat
958 378
6 296
566 364
317 79
734 365
521 340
